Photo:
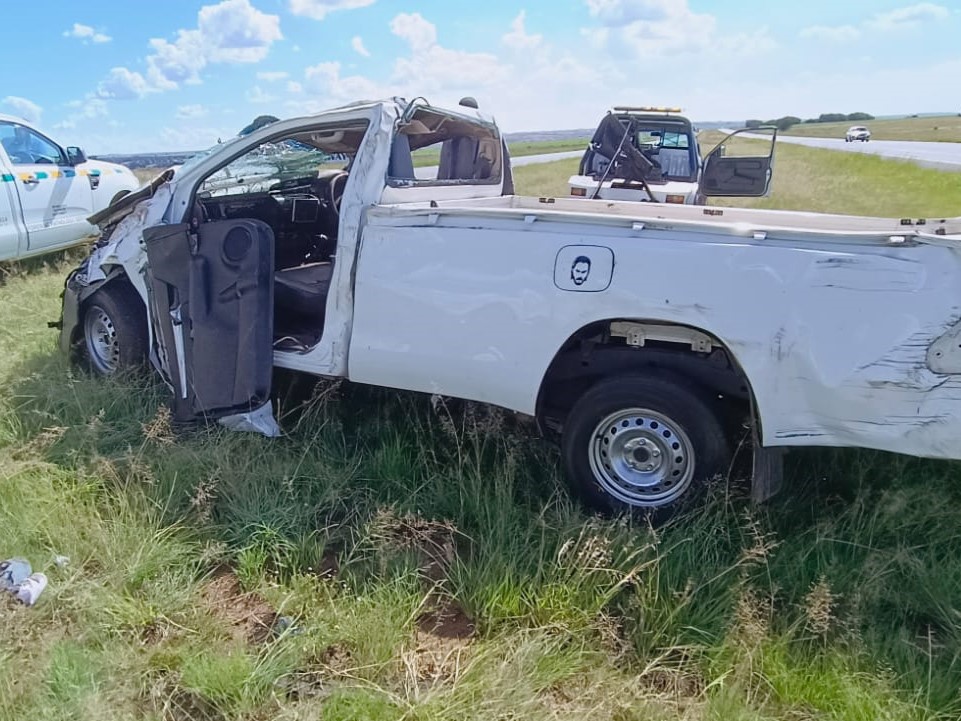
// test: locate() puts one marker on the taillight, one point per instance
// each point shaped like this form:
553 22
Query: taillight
675 199
579 191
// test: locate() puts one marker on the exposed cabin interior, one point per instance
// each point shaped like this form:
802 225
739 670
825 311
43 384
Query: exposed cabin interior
295 183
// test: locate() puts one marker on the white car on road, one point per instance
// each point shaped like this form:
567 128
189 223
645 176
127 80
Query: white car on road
48 191
857 132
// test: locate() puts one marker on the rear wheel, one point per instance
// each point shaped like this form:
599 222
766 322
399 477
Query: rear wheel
642 443
114 330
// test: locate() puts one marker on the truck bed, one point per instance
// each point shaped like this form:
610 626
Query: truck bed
745 222
838 322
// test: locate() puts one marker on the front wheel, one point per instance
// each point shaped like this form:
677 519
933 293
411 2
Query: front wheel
642 443
114 330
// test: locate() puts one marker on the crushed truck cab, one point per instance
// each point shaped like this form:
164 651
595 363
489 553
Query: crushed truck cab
383 242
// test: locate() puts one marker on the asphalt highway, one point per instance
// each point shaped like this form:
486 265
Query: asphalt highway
943 156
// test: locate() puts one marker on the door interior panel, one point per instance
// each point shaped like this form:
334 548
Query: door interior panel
212 295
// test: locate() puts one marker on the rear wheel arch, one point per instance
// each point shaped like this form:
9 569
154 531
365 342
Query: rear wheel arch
592 354
633 384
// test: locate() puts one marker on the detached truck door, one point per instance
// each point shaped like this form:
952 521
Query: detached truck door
211 299
13 234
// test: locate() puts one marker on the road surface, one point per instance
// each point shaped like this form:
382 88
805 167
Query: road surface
942 156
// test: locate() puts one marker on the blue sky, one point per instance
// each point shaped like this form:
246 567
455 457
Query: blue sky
177 74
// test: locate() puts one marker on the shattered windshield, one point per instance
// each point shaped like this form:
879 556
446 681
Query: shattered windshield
266 165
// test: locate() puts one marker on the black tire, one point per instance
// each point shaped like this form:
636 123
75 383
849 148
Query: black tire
113 328
665 444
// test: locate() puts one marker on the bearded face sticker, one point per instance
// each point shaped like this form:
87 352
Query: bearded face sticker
584 268
580 269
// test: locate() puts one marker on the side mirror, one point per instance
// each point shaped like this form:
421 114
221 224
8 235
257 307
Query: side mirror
75 155
721 149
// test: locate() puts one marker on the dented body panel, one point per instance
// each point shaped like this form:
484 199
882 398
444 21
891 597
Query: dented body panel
832 333
846 329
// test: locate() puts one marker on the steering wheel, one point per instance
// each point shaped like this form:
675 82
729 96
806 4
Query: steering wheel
337 193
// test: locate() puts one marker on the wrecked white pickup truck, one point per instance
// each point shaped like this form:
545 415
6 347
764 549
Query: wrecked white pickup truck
643 337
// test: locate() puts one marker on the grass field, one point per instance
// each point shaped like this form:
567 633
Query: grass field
430 564
942 128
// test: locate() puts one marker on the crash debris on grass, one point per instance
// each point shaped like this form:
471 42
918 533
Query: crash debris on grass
17 579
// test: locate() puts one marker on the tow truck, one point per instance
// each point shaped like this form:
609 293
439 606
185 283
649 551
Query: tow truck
642 154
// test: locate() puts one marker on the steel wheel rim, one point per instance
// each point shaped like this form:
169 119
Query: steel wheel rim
641 457
101 339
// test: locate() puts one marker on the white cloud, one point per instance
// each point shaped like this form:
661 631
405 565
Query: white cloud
357 43
123 84
649 29
836 34
89 107
432 68
232 31
86 33
237 32
178 62
412 27
518 37
908 17
624 12
272 77
257 96
189 112
324 80
429 68
318 9
26 109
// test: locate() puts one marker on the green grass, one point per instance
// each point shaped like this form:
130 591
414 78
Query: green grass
536 147
856 184
376 515
941 128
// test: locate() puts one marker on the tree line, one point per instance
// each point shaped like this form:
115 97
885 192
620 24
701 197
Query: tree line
786 121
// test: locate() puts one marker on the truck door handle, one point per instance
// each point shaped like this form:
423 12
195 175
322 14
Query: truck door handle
29 179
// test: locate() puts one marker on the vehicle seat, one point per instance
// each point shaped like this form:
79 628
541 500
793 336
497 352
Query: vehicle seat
401 164
303 289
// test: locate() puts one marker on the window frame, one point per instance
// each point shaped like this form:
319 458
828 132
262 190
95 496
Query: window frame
62 159
494 138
